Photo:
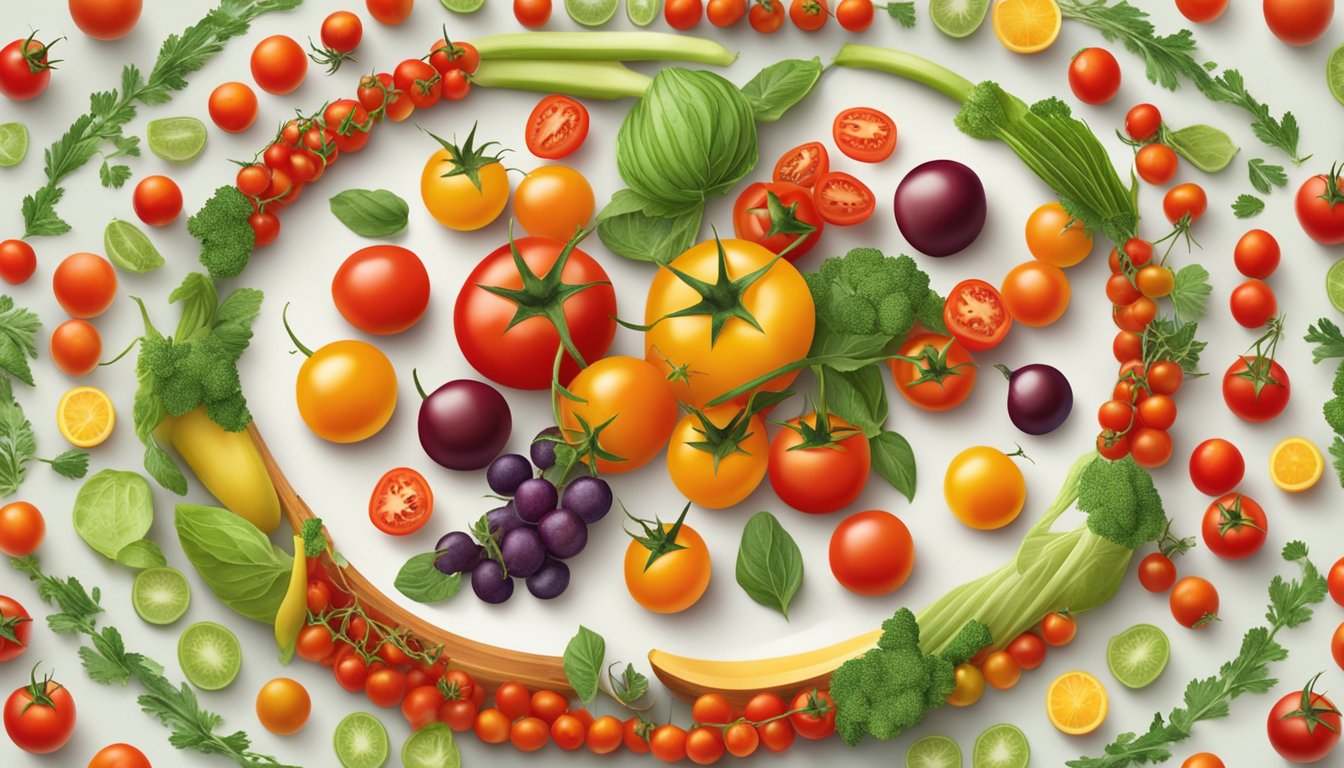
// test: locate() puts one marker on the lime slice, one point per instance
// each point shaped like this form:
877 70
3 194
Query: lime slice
161 595
642 12
13 144
463 6
1138 655
209 655
1001 746
431 747
129 248
591 13
176 139
1334 285
360 741
933 752
958 18
1334 73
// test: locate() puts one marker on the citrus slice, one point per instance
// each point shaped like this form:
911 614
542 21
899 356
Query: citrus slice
432 746
1334 73
129 249
13 144
160 595
958 18
1334 285
591 13
642 12
936 751
209 655
85 416
463 6
360 741
1001 746
1027 26
1295 464
1076 703
1138 655
179 140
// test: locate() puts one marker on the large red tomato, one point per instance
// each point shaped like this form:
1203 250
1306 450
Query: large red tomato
495 295
1304 726
40 716
16 627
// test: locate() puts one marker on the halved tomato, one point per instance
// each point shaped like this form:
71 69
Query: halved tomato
865 134
803 164
401 502
842 199
557 126
976 315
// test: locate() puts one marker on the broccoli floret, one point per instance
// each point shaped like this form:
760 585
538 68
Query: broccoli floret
1121 503
868 294
929 313
983 116
1051 107
231 414
1338 386
895 314
1334 414
891 687
226 238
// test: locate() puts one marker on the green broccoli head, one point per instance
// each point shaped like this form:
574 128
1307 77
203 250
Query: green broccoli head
1334 414
1338 385
1121 503
1051 107
982 116
929 313
226 236
869 294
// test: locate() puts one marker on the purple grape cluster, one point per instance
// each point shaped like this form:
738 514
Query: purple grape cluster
531 535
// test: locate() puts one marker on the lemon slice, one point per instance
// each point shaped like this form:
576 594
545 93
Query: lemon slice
1076 703
85 416
1027 26
1295 464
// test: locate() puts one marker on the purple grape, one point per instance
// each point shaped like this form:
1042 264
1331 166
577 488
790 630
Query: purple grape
534 498
489 582
588 497
458 552
564 533
543 451
503 519
522 551
551 581
506 472
464 424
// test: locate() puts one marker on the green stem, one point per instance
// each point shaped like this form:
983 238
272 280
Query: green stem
585 79
603 46
284 317
908 66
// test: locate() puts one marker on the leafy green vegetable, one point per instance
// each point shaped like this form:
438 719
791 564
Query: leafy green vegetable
1246 206
1203 146
780 86
370 212
226 237
116 176
1208 698
235 560
141 554
420 581
769 563
583 663
626 229
1327 338
18 329
1190 294
18 446
129 248
1167 339
1265 177
903 13
630 687
113 510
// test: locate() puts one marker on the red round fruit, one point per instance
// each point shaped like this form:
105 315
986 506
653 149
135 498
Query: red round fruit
1299 22
381 289
872 553
279 64
1094 75
157 200
18 261
1157 573
1142 122
1216 467
1253 304
15 622
84 285
1257 254
106 19
1234 527
76 347
402 502
557 127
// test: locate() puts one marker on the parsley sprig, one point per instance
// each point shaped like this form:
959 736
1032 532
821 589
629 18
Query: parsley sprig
107 662
1290 603
110 111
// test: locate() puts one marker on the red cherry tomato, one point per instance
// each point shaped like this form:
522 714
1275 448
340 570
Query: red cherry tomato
157 200
1142 122
842 199
976 315
84 285
1235 527
871 553
1299 22
1157 573
1094 75
381 289
18 261
803 165
1216 467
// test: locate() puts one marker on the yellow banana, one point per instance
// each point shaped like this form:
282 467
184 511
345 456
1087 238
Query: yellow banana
294 608
228 465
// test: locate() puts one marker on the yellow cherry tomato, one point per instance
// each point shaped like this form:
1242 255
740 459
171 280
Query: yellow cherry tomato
283 706
1055 237
674 580
970 686
628 409
553 201
984 488
454 198
703 367
715 479
346 390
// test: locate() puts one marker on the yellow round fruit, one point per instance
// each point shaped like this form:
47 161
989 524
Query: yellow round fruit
85 416
1295 464
1027 26
1077 703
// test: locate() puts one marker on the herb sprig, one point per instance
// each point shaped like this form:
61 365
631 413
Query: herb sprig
107 662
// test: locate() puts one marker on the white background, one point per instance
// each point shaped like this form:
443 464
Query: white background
335 480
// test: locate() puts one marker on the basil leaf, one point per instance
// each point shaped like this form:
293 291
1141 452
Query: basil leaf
370 212
112 510
235 560
769 564
141 554
1206 147
859 397
629 230
420 581
894 460
780 86
583 663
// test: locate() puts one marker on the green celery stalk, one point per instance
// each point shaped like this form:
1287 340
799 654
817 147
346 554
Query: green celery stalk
585 79
603 46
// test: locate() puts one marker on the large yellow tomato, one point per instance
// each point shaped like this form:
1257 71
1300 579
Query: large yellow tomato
676 578
628 407
984 488
454 198
777 300
719 465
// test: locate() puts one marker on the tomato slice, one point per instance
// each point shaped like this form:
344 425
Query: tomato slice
557 126
401 502
864 134
842 199
803 164
976 315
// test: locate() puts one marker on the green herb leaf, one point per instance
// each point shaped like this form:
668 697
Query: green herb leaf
769 563
17 444
370 212
894 460
628 231
39 213
630 687
141 554
1205 147
1168 339
1337 458
1265 177
1327 337
112 510
583 663
1190 294
420 581
904 13
72 464
780 86
1246 206
129 248
235 560
859 397
18 330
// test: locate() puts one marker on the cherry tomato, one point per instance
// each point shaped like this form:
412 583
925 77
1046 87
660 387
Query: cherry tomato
1155 281
548 705
1053 236
386 687
40 717
1216 467
15 623
106 20
350 671
935 372
492 726
341 31
1036 293
458 714
265 227
854 15
775 215
1304 726
1319 210
1299 22
871 553
725 13
1116 416
1184 200
635 732
741 739
419 81
1094 75
1194 602
233 108
1157 412
456 85
764 706
381 289
283 706
1150 447
675 580
1239 388
863 133
631 398
668 743
1112 446
553 201
777 735
389 12
84 285
1164 377
1337 646
1156 572
808 15
766 16
568 732
350 123
556 128
1256 254
1253 304
1156 163
421 705
976 315
402 502
683 14
984 488
817 720
318 597
604 735
803 165
1001 670
513 699
711 709
1058 629
819 479
24 68
157 200
1203 760
1201 11
970 686
529 734
1028 650
278 64
842 199
1335 581
18 261
1127 345
704 745
532 13
1234 527
1143 120
119 756
76 347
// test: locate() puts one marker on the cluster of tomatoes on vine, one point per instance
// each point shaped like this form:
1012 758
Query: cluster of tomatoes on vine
765 16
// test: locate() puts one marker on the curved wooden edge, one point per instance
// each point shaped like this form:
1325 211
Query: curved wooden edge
485 663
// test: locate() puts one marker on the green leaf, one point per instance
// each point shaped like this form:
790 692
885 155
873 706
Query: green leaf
420 581
903 13
1205 147
1246 206
628 231
112 510
1190 294
1168 339
769 563
141 554
859 397
583 663
1337 458
39 213
1265 177
370 212
894 460
780 86
18 330
199 299
114 176
1327 338
72 464
129 249
17 444
235 560
631 686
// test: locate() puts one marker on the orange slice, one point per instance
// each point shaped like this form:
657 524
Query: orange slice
1076 703
1295 464
85 416
1026 26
